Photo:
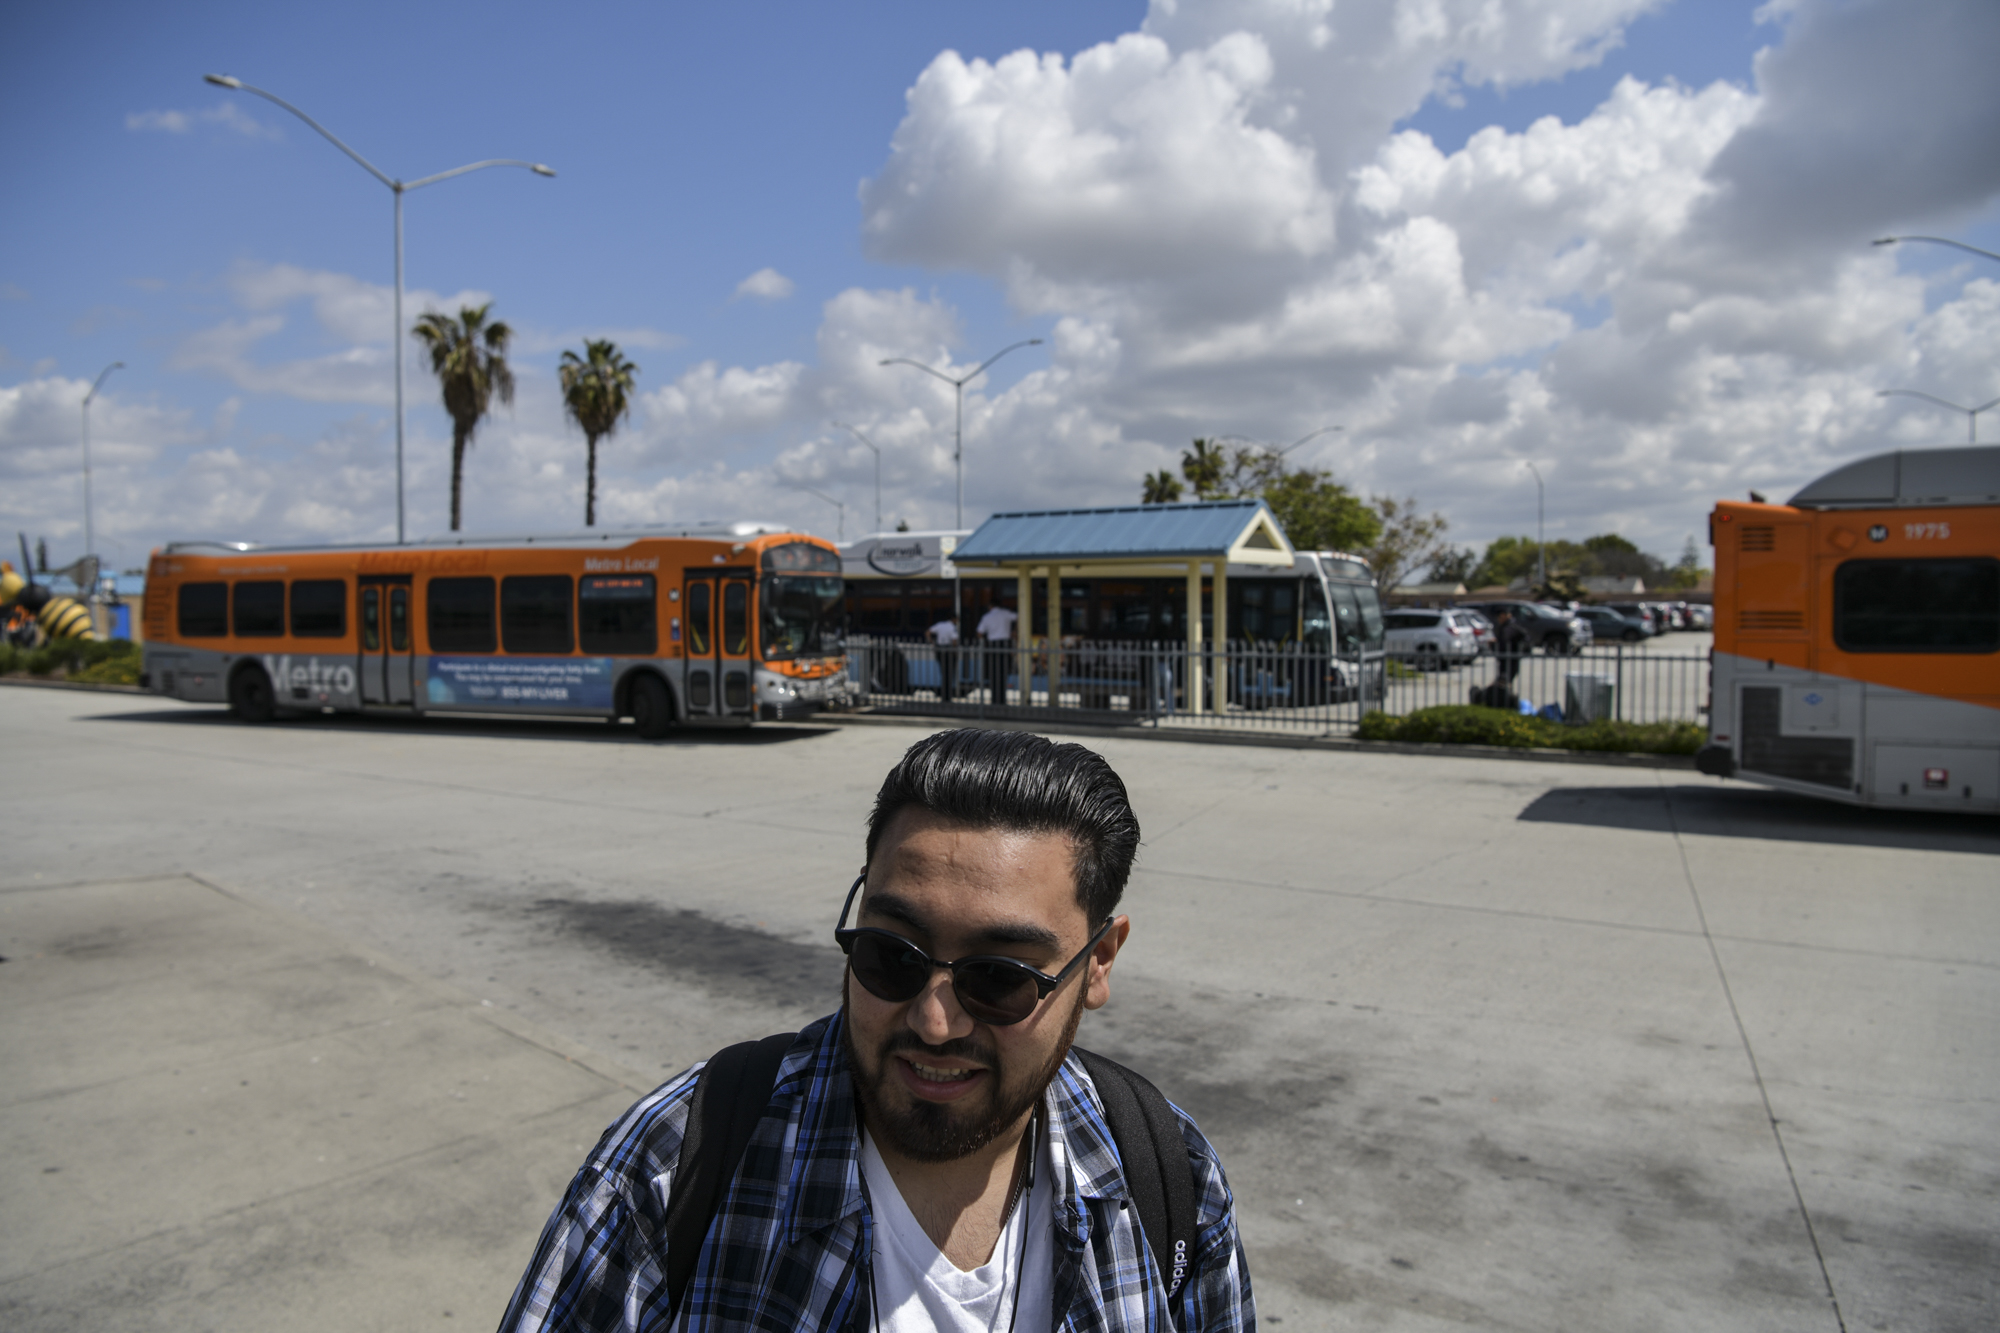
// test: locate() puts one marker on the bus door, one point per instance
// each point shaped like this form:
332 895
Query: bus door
386 673
716 606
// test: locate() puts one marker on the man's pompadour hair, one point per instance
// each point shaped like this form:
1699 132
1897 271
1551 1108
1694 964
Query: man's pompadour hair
1024 782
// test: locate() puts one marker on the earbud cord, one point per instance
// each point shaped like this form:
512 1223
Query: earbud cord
1027 1193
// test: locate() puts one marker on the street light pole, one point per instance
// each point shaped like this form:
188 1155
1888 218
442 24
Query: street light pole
1971 413
398 188
878 468
89 530
1541 542
1939 240
958 411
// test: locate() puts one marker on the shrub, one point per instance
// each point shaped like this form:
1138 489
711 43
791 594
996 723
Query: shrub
103 660
1466 724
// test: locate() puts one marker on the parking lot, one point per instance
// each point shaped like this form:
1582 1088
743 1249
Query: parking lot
1484 1043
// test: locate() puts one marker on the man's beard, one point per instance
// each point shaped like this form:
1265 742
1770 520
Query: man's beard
941 1131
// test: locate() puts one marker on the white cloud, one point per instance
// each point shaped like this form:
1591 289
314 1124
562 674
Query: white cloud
227 115
766 284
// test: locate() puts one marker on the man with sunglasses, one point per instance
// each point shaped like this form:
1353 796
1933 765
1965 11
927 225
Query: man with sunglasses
934 1155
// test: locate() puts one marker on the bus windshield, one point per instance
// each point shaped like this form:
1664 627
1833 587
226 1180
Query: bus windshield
801 615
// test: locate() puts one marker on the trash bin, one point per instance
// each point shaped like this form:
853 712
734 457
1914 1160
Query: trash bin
1588 698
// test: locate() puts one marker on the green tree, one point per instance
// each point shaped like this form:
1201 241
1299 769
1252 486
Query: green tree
1206 469
597 395
1160 488
1453 564
469 358
1408 539
1317 513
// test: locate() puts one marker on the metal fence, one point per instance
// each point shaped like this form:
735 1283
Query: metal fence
1263 687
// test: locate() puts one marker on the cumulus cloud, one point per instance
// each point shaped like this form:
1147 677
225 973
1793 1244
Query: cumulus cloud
225 115
1217 227
766 284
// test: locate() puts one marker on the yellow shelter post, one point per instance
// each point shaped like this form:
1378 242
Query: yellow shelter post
1194 663
1024 625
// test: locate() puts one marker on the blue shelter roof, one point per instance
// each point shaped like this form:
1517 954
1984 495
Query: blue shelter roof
1230 529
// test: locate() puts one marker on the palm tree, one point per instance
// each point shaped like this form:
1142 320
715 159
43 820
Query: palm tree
597 395
469 357
1160 488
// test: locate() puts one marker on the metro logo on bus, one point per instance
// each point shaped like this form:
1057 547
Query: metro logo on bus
308 675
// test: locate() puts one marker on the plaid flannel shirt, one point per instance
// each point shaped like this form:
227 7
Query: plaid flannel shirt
790 1243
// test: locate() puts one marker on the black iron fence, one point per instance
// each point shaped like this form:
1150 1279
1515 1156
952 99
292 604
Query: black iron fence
1261 687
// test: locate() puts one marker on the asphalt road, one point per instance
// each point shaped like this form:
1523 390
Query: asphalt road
1484 1044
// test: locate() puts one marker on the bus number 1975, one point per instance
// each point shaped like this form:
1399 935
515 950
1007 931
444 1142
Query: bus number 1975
1918 532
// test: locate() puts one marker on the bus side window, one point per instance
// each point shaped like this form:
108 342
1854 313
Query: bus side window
204 610
399 620
259 608
319 608
371 620
735 618
697 618
616 614
1917 606
461 615
534 613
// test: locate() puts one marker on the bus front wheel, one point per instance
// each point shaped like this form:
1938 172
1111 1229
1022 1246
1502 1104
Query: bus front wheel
251 697
652 709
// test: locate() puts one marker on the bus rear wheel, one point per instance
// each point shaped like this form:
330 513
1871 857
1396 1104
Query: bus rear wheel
251 697
652 708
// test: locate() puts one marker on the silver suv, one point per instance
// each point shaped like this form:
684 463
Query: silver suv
1430 638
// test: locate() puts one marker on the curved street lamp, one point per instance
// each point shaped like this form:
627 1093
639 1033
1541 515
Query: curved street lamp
1270 448
89 531
1971 413
878 468
958 411
398 188
1938 240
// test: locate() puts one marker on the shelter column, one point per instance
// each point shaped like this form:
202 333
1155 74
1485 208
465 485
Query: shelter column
1221 595
1194 673
1055 632
1024 625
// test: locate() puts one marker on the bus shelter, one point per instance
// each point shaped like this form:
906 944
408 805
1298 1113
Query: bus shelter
1132 541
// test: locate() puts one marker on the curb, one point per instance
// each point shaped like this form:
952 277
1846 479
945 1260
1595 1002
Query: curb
1601 758
102 687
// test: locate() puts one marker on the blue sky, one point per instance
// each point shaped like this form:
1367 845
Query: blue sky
1220 216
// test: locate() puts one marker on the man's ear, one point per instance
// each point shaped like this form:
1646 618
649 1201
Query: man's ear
1102 955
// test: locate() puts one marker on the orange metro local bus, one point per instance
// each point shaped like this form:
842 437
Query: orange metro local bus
1857 635
723 626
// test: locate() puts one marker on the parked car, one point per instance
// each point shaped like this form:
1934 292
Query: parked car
1642 612
1607 624
1482 627
1550 628
1430 638
1700 616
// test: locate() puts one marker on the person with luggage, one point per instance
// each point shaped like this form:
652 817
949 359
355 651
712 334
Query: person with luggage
1510 645
937 1153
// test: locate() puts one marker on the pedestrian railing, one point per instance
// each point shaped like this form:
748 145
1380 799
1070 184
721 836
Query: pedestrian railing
1257 687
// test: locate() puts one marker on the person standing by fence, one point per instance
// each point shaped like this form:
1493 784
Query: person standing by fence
1510 643
996 631
945 635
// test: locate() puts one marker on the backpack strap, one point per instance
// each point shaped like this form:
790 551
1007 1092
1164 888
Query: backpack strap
730 1095
1155 1158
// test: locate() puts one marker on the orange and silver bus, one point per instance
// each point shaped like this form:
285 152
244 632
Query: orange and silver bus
1857 635
721 626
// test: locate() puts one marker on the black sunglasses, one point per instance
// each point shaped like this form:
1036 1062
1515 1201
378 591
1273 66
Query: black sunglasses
998 992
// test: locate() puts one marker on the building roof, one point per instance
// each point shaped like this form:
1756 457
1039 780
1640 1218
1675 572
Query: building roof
1909 477
1242 531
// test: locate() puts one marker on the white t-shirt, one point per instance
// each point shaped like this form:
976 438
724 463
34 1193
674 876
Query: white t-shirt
945 632
997 624
918 1289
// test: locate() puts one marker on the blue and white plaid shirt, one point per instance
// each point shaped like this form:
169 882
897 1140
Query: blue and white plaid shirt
789 1246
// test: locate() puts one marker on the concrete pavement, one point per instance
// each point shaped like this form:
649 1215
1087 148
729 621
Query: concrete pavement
1483 1043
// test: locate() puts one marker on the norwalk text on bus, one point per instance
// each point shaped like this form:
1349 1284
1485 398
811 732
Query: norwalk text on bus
1857 635
721 626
